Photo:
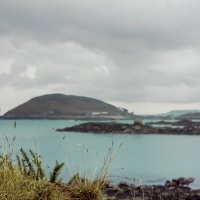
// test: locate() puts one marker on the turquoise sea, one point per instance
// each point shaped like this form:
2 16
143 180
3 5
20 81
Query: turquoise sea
138 159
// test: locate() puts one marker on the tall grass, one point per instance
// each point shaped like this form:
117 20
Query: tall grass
22 177
16 183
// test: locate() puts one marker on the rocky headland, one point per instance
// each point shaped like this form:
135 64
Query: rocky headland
136 128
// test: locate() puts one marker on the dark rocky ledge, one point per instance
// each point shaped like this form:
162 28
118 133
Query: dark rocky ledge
177 189
98 127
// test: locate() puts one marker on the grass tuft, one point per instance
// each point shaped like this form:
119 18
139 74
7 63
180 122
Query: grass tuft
24 179
84 189
14 185
56 171
17 183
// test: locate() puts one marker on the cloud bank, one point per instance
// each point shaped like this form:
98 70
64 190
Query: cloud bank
132 52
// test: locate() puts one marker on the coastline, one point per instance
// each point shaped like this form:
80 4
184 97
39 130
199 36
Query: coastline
137 128
172 190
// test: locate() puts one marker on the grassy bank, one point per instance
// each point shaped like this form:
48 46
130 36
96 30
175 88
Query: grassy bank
26 180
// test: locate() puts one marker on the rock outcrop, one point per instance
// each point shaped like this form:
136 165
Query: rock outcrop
97 127
176 189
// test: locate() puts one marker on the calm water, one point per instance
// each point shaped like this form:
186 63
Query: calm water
146 159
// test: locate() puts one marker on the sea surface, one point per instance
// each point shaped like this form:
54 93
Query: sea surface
138 159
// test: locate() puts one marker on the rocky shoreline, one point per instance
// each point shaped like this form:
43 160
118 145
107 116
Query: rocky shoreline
136 128
176 189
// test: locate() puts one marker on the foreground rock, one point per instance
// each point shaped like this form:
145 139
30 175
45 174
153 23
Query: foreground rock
176 189
97 127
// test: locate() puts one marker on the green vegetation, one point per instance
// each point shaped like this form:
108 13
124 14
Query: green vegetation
22 177
26 180
59 106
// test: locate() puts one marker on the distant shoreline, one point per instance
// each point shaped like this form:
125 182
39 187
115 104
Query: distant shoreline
65 118
121 128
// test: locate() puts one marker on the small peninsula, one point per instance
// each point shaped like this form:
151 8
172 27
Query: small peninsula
135 128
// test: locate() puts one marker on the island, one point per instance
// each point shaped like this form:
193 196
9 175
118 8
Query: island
61 106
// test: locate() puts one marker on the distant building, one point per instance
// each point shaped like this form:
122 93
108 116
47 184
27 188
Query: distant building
95 113
104 113
99 113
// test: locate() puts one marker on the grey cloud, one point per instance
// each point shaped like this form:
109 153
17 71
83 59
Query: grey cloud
86 21
127 51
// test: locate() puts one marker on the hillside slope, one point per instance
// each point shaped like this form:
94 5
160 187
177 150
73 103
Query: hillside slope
189 116
59 106
176 113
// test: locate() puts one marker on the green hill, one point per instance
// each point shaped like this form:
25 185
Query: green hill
59 106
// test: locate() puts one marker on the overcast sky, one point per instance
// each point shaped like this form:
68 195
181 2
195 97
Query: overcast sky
143 55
